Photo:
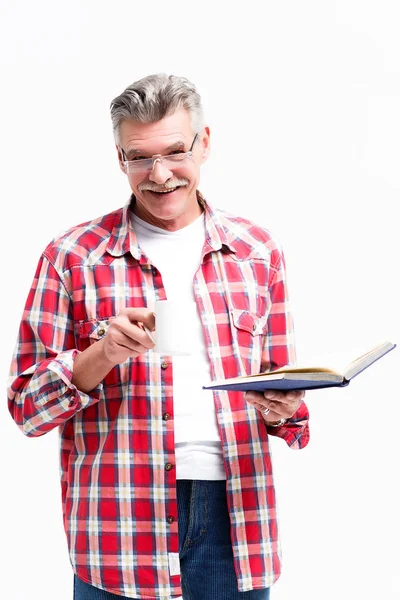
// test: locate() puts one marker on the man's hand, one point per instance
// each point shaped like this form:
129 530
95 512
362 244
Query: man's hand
281 405
126 337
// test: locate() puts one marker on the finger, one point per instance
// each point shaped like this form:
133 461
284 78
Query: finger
125 341
146 322
149 320
140 315
271 416
275 413
289 398
136 350
258 401
149 333
283 410
280 395
253 396
135 334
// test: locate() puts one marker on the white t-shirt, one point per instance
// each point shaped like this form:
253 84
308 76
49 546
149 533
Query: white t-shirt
177 256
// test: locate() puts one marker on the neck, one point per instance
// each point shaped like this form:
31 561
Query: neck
173 224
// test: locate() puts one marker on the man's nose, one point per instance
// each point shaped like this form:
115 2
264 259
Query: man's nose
159 173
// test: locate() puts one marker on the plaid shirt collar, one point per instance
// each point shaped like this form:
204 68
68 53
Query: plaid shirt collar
123 238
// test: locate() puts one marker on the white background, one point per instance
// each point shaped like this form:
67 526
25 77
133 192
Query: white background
303 102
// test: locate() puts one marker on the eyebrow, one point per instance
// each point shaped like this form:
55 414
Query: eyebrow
136 152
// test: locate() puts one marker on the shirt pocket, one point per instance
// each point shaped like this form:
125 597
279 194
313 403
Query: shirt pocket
248 330
245 320
90 332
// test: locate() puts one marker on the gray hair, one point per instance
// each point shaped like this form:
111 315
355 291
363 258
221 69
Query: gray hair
154 97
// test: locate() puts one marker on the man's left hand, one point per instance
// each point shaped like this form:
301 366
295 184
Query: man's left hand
281 405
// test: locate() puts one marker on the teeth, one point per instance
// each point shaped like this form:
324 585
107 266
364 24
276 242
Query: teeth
166 191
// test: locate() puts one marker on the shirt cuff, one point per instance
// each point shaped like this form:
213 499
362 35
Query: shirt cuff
295 435
54 382
295 431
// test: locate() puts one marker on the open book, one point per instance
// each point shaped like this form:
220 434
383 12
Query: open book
302 378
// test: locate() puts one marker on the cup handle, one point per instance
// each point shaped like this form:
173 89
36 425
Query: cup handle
149 333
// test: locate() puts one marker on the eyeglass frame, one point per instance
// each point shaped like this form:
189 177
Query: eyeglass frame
156 157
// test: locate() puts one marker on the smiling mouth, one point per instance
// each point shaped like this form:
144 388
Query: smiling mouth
169 191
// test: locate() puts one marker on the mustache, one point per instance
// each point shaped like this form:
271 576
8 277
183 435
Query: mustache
171 184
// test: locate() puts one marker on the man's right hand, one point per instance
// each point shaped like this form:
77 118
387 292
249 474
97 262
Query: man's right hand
126 337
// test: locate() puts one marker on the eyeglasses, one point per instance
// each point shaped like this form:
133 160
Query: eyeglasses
145 165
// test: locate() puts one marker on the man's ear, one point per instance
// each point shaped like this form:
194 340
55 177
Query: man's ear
205 140
120 159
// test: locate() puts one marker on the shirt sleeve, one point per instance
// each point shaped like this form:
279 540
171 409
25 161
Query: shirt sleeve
41 395
279 350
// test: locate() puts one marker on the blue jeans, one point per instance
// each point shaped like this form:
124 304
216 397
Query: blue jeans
205 548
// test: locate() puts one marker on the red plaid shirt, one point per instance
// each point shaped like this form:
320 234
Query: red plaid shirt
119 499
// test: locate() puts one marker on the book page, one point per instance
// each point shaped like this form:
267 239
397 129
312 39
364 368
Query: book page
309 369
367 359
338 360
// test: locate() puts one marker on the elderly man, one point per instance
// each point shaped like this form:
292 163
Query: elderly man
167 488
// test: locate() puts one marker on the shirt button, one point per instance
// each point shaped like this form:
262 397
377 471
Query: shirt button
166 416
170 519
164 365
101 331
168 466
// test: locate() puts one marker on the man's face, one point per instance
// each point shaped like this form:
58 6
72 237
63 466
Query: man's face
175 209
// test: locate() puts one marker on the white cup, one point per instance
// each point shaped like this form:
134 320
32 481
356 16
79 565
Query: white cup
172 335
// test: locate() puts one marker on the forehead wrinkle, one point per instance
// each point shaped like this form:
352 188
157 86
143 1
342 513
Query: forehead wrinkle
155 138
